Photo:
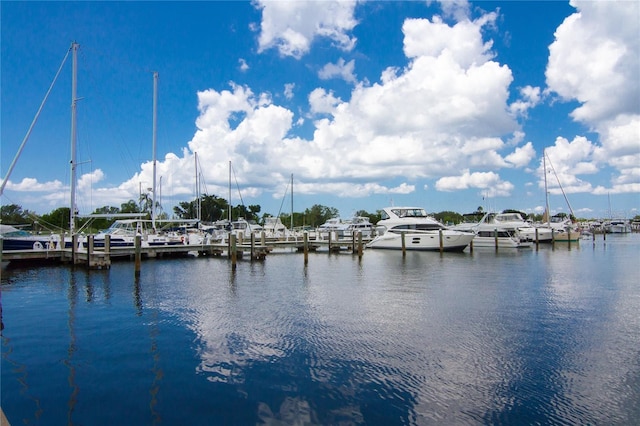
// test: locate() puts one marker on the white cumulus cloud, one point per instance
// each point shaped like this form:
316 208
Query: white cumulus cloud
291 26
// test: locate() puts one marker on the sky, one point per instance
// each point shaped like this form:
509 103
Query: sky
449 106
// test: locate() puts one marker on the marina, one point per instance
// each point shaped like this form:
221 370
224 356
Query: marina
545 336
482 299
257 246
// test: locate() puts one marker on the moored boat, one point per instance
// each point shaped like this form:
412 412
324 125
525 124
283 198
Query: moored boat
412 229
525 230
489 233
19 239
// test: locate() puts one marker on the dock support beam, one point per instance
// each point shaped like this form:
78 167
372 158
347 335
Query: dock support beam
233 251
306 247
89 251
138 254
74 249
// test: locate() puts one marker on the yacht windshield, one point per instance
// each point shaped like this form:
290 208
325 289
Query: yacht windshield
409 212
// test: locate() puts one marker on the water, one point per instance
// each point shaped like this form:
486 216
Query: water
515 337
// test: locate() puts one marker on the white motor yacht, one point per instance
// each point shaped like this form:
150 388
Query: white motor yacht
420 232
490 233
525 229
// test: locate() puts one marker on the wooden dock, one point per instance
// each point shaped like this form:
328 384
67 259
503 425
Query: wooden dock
235 248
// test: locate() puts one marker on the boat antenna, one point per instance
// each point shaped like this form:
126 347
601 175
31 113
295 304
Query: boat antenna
33 123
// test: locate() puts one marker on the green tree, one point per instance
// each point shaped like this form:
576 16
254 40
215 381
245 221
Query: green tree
212 208
250 213
129 207
14 215
58 218
448 217
319 214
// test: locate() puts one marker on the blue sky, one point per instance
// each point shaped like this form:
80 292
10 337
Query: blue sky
443 105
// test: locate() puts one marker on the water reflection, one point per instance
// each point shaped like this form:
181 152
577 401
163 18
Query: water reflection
547 336
72 296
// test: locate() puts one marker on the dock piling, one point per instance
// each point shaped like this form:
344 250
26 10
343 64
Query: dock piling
233 251
138 254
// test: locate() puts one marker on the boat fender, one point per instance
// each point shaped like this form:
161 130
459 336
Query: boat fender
37 245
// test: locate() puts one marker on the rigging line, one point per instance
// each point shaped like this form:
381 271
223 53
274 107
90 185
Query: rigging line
560 185
238 186
201 175
283 198
97 89
33 123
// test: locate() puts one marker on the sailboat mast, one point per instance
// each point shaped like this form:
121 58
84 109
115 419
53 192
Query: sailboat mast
155 122
546 191
291 202
198 200
229 191
74 100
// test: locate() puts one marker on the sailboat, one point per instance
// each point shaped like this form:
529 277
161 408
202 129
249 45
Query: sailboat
14 239
564 230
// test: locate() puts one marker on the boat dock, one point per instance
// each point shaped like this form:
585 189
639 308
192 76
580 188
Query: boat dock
234 247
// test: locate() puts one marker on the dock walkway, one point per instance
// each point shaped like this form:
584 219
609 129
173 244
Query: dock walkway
99 258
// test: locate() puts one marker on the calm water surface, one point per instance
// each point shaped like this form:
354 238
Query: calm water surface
515 337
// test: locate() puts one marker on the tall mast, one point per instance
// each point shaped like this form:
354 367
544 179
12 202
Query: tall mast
546 191
198 200
291 202
229 191
74 100
155 120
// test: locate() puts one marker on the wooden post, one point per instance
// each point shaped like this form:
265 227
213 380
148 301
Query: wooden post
553 238
138 255
253 246
404 244
263 238
107 245
495 237
330 235
568 230
441 240
74 248
306 247
360 245
89 250
233 254
353 241
471 246
537 241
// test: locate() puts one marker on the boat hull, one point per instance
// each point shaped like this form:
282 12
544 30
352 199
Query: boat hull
28 243
565 237
451 241
502 242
